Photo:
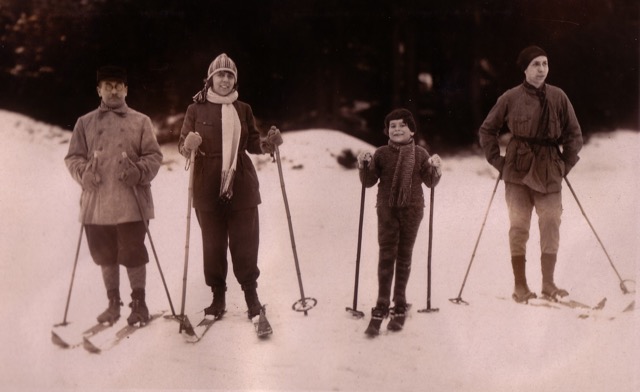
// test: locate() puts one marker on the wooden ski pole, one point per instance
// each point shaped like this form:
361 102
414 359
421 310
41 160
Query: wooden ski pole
305 303
354 310
429 309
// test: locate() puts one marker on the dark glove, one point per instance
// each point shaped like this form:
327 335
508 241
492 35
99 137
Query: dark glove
131 175
90 181
273 139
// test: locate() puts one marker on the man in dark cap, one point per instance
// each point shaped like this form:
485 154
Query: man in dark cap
113 154
544 146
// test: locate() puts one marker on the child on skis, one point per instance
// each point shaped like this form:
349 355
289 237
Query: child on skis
399 168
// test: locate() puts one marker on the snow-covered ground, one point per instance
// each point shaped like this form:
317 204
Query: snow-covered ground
489 345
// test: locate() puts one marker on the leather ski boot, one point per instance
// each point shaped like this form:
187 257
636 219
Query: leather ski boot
112 313
378 314
139 311
253 303
521 291
549 288
218 307
398 315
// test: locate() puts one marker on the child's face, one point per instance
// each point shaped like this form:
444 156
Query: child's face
399 132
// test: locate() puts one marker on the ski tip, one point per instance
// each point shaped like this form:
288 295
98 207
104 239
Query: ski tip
371 334
600 304
86 343
191 338
57 340
262 325
188 329
209 319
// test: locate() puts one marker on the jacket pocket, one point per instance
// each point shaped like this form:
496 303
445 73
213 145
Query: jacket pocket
524 158
520 125
203 127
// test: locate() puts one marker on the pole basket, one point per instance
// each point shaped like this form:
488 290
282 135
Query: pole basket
458 301
628 286
355 313
428 309
304 304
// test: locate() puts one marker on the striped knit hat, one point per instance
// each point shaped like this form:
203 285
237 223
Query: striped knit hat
222 63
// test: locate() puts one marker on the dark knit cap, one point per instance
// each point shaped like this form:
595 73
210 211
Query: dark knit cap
527 54
400 114
111 72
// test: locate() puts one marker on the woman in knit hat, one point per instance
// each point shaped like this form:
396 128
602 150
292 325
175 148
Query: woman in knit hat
222 130
400 168
544 147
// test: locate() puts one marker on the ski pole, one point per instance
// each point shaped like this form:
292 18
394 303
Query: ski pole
301 305
153 248
354 311
92 168
429 309
623 287
73 275
458 300
185 325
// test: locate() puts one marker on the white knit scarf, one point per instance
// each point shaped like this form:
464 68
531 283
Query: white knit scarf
230 140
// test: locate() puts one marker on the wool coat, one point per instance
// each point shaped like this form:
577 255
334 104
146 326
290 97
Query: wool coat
531 159
98 141
206 119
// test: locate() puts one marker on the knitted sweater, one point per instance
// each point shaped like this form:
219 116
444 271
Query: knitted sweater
382 168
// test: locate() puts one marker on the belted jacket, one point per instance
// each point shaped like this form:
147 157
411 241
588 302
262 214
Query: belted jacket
536 156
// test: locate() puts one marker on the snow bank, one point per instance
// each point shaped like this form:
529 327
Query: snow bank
491 345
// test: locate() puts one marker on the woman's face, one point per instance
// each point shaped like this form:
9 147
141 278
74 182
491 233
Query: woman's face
223 83
537 71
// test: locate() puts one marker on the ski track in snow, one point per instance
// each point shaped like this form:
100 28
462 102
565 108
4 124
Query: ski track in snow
490 345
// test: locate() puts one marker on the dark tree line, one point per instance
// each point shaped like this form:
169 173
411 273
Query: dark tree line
323 63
